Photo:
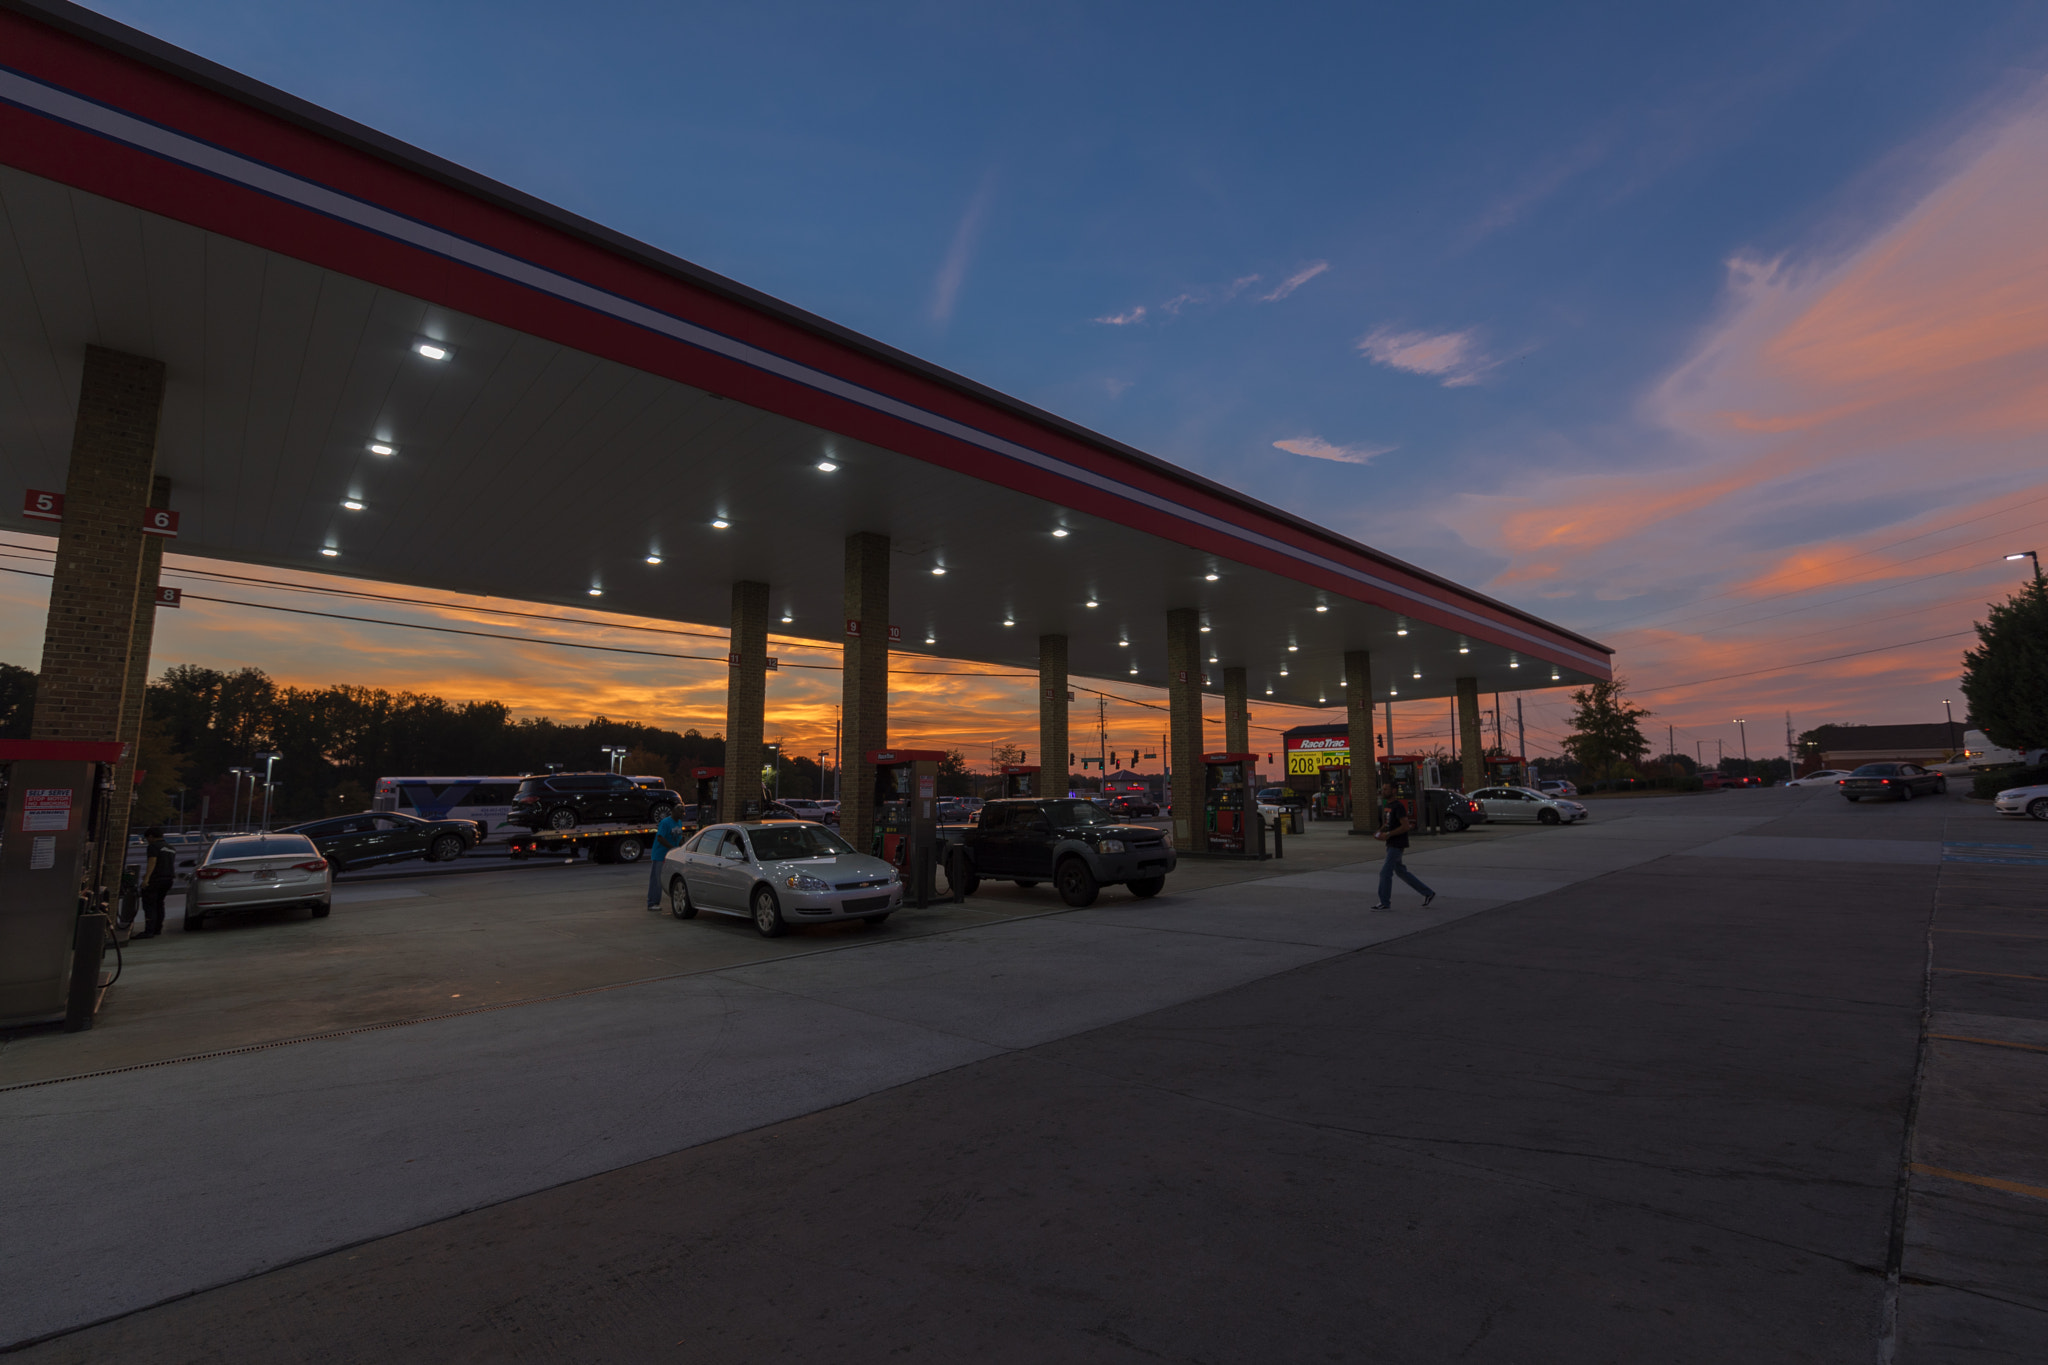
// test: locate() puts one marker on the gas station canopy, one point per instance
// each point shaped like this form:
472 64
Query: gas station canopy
382 365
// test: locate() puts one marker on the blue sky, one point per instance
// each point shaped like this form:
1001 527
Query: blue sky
1493 256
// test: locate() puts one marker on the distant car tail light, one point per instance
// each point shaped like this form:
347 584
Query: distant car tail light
317 865
207 874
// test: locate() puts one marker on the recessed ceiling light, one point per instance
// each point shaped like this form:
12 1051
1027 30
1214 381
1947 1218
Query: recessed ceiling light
1513 664
1553 677
654 559
1322 699
1418 673
1210 577
1095 604
938 573
1205 630
931 639
720 524
1060 532
1322 606
351 504
1009 623
1464 649
329 551
1212 658
1123 644
1393 691
597 592
382 448
826 466
1402 631
432 350
1294 649
1269 691
787 618
1134 668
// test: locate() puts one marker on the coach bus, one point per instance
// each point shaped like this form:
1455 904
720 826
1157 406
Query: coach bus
487 800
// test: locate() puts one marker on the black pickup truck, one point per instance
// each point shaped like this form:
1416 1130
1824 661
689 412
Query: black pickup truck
1076 845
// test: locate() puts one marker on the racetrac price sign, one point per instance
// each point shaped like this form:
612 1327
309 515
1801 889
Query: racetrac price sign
1308 755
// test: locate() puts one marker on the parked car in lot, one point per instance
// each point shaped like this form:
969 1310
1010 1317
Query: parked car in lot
566 800
246 872
1515 805
778 873
1557 786
1134 807
1282 796
1078 846
1897 781
1826 777
2024 801
1461 812
380 836
954 812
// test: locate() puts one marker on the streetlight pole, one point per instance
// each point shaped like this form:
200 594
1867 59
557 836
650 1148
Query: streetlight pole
1743 726
2033 555
269 763
1951 710
235 803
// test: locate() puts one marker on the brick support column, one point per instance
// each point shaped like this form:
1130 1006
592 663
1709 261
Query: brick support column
1184 726
80 692
1052 715
1237 713
1471 735
865 683
746 701
1365 768
136 690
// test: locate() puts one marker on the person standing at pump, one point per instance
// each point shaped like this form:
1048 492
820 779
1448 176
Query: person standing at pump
159 872
1396 822
668 834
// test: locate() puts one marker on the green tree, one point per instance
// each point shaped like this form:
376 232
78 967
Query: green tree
17 701
1606 738
2005 678
954 778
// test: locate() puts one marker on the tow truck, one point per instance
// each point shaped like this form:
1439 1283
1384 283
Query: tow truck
602 843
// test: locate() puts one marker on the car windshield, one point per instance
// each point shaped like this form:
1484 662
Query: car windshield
262 846
1877 770
1077 813
796 841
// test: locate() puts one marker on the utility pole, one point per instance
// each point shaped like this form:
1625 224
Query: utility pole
1390 728
1670 748
1102 743
1499 740
1521 741
1791 749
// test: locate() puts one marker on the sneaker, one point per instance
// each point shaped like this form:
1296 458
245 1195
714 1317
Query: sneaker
1383 907
1427 899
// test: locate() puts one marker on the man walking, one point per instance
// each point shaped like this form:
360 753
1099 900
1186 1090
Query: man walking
1395 823
668 834
159 872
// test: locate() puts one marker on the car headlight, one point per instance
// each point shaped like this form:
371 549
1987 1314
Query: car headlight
803 882
1110 846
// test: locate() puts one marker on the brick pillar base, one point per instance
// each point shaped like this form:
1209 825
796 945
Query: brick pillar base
746 702
1184 726
865 683
1365 768
1471 735
1052 715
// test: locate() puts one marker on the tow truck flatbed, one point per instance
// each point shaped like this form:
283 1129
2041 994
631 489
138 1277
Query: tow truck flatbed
601 843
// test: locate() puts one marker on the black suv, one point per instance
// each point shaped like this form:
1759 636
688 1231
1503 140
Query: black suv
382 836
1077 845
567 800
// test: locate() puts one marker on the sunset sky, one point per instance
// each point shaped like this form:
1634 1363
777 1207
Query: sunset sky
1718 333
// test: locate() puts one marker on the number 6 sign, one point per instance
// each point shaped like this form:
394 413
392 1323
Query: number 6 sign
159 521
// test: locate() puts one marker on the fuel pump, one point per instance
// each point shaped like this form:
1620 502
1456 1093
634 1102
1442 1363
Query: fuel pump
1021 779
53 915
1401 775
1336 789
1230 816
710 781
907 816
1503 770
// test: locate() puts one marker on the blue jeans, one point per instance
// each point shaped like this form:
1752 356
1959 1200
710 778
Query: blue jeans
1393 868
655 859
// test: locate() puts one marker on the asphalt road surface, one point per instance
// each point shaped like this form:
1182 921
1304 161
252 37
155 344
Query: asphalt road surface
1741 1078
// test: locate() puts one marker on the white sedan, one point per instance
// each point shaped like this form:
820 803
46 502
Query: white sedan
1511 804
2024 801
258 872
1826 777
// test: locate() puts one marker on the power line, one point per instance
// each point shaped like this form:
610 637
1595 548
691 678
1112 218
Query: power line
1803 663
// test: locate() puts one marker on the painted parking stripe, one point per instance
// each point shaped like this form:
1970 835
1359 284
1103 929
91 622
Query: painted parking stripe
1987 1181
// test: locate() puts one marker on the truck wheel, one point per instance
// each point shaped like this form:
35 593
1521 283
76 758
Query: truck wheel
627 850
768 914
679 903
446 849
1144 888
1027 885
1076 883
561 817
877 921
960 875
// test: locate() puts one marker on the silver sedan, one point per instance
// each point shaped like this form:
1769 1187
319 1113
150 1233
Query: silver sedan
776 873
258 872
1511 804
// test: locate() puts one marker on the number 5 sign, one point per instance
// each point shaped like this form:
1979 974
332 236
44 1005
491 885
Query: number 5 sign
42 506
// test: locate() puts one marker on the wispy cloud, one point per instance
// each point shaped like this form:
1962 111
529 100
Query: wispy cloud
1294 281
1316 448
1123 319
1453 358
953 270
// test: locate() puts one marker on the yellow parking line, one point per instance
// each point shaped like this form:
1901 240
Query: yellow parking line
1988 1042
1985 933
2011 976
1988 1182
